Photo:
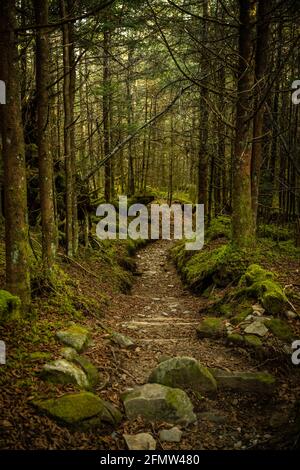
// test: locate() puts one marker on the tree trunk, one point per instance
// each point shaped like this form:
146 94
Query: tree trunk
261 61
49 238
67 132
106 115
15 194
242 219
204 116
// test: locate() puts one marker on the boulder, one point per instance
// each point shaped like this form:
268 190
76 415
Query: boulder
122 340
170 435
64 372
75 336
252 382
183 372
84 409
141 441
211 327
88 368
155 402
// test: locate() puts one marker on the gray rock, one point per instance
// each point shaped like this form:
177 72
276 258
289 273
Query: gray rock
251 382
122 340
291 315
141 441
183 372
170 435
84 409
256 328
156 402
75 336
64 372
88 368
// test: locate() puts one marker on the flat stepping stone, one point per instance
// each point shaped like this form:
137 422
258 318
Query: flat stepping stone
251 382
184 372
170 435
84 408
155 402
141 441
75 336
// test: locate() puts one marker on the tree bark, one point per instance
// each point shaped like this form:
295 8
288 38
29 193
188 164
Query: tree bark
15 193
261 61
45 160
242 219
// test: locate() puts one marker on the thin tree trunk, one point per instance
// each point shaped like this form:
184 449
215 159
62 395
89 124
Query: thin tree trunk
67 133
242 219
261 61
49 238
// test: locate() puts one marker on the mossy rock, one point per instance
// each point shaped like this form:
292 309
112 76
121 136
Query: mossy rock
253 341
155 402
211 327
90 370
205 268
75 336
260 383
10 306
62 371
82 409
235 338
185 373
260 284
280 329
240 317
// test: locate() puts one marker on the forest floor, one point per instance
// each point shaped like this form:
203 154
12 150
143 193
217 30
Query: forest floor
161 316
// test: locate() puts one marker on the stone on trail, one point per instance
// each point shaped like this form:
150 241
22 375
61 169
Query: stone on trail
75 336
211 327
183 372
64 372
141 441
249 382
155 402
84 409
170 435
122 340
256 328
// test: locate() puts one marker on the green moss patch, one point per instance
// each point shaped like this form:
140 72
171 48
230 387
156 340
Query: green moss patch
280 329
260 284
10 306
211 327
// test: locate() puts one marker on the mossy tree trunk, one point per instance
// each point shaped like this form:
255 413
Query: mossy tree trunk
15 193
242 220
49 232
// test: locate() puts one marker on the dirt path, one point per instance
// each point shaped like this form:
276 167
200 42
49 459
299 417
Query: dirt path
161 316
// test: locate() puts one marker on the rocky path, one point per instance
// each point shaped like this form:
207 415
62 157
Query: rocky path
161 318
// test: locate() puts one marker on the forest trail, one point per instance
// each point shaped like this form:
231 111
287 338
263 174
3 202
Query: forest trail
161 316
